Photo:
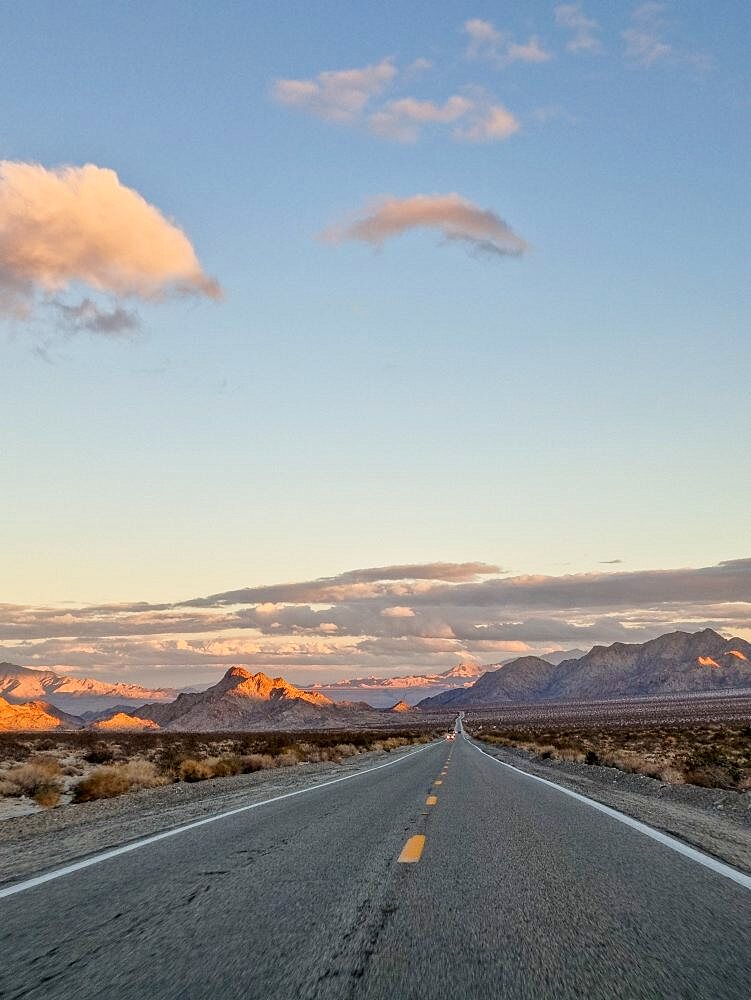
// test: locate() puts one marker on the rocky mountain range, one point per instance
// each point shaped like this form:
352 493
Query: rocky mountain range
73 694
244 700
672 663
241 700
381 691
679 662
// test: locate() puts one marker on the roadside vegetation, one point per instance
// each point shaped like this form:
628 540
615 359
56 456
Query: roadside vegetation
83 766
707 756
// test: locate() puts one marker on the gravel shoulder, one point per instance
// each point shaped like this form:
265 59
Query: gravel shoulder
35 843
715 821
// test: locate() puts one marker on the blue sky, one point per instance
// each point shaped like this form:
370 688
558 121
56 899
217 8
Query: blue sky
345 405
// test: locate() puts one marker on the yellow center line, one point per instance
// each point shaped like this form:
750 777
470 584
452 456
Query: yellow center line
431 800
438 782
412 849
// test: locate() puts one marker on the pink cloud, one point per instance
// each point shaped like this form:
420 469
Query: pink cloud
336 95
81 225
453 216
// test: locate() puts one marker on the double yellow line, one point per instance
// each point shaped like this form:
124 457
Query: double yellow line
412 850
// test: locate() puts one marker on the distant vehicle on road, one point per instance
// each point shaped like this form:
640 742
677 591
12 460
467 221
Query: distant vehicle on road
450 736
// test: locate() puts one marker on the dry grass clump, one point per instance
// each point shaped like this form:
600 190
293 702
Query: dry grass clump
194 770
258 762
39 779
111 780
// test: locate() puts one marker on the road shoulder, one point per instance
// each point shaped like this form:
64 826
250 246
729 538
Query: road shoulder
714 821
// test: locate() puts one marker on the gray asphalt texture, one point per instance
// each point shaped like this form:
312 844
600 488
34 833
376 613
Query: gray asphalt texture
520 892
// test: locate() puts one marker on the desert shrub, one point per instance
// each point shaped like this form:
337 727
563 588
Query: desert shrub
257 762
109 781
672 776
711 776
143 774
169 759
38 779
195 770
104 782
287 758
100 753
225 767
570 755
8 788
47 796
345 749
393 743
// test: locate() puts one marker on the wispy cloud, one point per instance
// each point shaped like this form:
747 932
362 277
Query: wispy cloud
475 118
489 123
456 218
63 227
87 315
376 581
644 39
485 41
336 95
584 29
402 119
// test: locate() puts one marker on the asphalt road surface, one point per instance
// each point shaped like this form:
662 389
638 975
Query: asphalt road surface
444 875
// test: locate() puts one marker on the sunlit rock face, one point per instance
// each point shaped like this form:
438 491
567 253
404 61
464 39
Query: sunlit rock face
400 707
34 715
122 722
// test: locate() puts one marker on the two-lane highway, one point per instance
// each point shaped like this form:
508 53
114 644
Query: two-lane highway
442 873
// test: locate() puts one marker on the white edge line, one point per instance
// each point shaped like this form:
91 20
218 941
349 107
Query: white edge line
115 852
662 838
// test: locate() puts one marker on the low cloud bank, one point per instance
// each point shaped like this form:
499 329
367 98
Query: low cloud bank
378 620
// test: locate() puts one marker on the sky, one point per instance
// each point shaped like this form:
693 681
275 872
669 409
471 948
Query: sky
291 290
